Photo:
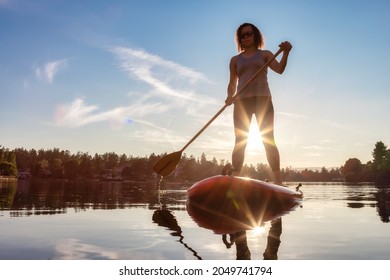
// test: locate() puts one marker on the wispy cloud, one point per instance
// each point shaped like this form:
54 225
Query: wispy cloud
70 249
79 114
165 77
293 116
48 71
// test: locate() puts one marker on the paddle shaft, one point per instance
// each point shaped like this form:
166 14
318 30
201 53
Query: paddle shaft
233 99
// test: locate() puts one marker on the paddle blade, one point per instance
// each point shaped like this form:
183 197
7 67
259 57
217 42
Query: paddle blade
167 164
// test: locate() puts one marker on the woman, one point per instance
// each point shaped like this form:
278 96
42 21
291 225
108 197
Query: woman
256 97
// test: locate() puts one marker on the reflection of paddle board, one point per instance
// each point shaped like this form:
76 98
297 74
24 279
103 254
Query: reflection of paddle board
228 204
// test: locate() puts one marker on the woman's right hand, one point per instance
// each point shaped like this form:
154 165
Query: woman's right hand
229 100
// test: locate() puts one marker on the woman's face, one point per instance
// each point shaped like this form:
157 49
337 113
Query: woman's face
247 37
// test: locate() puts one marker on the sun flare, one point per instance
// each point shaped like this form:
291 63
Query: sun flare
254 139
258 230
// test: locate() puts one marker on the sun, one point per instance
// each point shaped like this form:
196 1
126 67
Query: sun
254 138
258 230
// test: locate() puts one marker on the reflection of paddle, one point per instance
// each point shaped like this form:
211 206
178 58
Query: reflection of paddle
168 163
165 218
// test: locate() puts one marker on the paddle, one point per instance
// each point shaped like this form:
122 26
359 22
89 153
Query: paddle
168 163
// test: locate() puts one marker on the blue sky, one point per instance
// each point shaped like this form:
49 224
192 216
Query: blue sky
142 77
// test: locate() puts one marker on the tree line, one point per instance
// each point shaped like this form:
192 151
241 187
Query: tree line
61 164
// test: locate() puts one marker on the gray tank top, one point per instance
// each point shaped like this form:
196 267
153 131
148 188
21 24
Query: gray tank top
246 67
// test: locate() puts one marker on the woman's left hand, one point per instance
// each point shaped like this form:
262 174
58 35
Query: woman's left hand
285 46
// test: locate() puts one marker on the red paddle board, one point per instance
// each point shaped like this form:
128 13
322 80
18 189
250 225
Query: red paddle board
228 204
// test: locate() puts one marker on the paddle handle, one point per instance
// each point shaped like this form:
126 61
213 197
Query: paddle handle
204 127
234 98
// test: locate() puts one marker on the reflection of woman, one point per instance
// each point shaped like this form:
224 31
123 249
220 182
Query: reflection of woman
273 242
256 97
242 248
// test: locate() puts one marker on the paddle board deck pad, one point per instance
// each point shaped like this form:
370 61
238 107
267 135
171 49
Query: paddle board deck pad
227 204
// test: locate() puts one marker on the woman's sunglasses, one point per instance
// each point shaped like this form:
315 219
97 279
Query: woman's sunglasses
246 34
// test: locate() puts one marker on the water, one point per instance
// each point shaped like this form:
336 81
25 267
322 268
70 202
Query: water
123 220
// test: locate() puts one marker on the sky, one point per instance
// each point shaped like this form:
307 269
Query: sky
143 77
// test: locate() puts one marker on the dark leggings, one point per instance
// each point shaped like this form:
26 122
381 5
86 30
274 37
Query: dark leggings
263 109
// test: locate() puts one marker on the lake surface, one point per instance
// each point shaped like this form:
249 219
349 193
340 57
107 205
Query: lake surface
124 220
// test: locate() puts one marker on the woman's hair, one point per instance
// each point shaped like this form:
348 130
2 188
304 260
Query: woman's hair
258 37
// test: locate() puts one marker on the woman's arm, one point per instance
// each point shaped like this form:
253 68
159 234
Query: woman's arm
276 66
232 86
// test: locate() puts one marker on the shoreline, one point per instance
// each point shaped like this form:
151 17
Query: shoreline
8 179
